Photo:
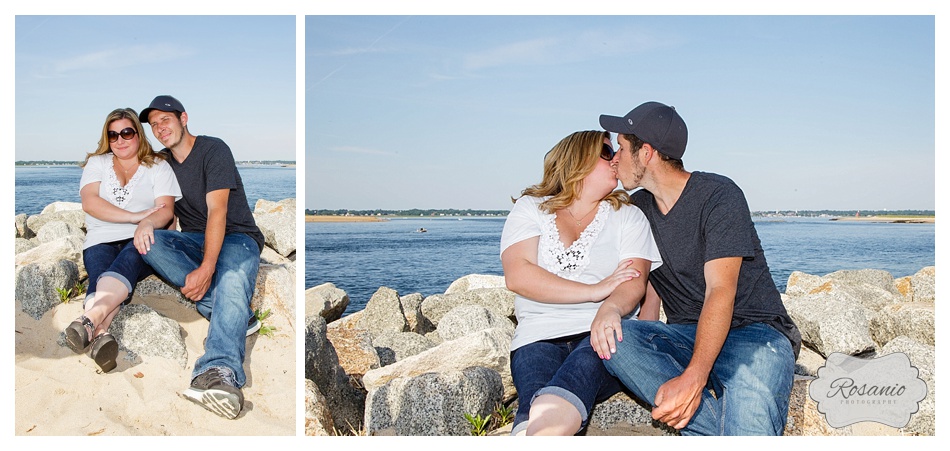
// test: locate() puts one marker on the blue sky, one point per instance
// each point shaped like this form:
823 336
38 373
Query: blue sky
235 75
803 112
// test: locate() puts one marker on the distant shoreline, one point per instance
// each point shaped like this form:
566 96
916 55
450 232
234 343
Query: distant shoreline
323 218
888 219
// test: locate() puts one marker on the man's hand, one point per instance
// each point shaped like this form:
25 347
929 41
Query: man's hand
678 399
197 283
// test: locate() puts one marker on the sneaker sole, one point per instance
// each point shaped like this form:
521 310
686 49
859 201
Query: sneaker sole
219 402
253 328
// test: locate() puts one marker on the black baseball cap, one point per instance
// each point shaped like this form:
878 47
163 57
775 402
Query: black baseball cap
655 123
161 103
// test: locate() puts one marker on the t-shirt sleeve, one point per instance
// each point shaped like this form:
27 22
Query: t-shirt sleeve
221 173
636 238
728 225
92 172
523 222
165 183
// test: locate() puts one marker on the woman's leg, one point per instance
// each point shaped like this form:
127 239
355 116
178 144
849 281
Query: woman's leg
532 367
553 415
114 286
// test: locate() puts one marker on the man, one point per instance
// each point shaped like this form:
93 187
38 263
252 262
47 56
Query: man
723 363
215 257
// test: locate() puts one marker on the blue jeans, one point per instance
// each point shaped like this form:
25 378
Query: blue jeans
567 367
117 259
176 254
752 376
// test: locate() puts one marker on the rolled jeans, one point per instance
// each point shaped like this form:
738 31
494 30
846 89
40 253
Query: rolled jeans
117 259
227 303
752 376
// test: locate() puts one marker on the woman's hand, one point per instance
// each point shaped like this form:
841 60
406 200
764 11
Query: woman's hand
605 330
144 237
624 272
137 217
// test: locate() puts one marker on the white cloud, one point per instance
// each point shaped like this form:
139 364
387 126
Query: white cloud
121 57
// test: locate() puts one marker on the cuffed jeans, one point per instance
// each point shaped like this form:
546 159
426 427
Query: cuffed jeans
117 259
752 377
176 254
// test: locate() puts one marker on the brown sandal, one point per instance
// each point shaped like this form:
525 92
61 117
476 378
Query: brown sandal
78 332
104 351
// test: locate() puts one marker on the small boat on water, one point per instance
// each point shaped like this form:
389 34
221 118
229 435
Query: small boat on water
422 230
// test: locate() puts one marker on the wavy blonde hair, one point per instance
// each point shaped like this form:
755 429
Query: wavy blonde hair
146 155
565 167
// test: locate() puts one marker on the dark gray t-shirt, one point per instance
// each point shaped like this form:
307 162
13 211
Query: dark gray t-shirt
711 220
209 167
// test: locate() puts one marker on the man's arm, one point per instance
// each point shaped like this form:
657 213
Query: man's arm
677 399
198 281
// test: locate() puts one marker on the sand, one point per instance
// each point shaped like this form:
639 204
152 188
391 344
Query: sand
59 392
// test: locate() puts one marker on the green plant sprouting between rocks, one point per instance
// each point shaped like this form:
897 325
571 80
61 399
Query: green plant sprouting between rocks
266 330
501 416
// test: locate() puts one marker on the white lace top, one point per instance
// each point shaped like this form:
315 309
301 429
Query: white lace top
138 194
613 235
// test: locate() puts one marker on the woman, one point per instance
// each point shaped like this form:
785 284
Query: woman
127 191
573 250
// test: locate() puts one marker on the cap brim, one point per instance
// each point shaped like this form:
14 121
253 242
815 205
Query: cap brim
614 124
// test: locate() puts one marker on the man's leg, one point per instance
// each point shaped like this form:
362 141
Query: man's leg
228 303
174 255
755 369
651 354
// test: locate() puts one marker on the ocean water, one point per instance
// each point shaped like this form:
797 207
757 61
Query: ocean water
39 186
361 257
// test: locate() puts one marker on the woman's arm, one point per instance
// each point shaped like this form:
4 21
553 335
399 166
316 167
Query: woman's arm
102 210
162 214
621 301
524 277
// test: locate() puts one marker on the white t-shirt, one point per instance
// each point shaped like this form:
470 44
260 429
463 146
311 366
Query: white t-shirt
146 185
612 236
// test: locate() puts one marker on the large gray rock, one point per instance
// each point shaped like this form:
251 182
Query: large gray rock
22 231
870 296
36 284
924 282
75 218
383 313
318 421
321 365
155 286
277 221
922 357
499 299
432 403
874 277
22 245
915 320
67 248
54 230
59 206
831 322
142 331
395 346
800 283
488 348
327 301
475 281
276 290
467 319
412 308
622 409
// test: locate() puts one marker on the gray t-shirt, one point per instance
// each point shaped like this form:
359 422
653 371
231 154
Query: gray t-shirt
209 167
711 220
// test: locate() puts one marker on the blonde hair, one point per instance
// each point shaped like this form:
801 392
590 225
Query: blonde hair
565 167
146 156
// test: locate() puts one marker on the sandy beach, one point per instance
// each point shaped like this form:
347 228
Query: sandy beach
59 392
319 218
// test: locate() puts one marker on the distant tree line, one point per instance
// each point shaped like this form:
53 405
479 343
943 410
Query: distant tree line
810 213
412 212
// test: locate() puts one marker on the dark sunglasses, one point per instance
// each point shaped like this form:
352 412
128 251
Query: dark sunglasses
126 134
606 153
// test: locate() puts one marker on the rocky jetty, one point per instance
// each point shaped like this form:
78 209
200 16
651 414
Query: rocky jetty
411 365
160 326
